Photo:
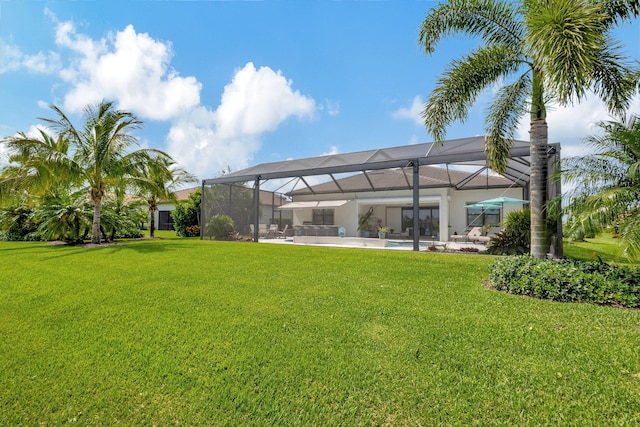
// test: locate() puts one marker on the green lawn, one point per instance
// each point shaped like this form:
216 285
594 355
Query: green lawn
603 246
190 332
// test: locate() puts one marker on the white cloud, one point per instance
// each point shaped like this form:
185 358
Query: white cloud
413 113
332 150
130 67
13 59
4 155
255 102
35 131
333 107
570 125
134 70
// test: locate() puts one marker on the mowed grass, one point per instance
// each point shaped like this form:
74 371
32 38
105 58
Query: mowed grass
603 246
190 332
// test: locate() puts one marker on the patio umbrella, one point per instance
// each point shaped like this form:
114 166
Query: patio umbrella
504 200
482 205
499 202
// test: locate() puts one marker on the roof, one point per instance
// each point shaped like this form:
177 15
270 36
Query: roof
467 151
184 194
401 178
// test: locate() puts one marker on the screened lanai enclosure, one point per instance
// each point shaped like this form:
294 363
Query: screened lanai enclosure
403 185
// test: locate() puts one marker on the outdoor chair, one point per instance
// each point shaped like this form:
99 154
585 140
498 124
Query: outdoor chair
473 235
262 230
282 233
273 230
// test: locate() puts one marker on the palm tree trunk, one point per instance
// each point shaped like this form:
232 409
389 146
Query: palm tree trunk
152 222
538 187
97 211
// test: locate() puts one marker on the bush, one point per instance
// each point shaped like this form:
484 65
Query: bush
221 227
515 238
192 231
187 214
567 280
18 223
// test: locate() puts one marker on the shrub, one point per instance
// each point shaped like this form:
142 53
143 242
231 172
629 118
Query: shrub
187 214
515 238
18 223
221 227
567 280
192 231
469 249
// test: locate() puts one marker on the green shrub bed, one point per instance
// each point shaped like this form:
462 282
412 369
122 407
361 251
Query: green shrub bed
568 280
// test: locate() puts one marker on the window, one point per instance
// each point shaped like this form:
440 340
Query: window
477 217
165 220
429 220
322 217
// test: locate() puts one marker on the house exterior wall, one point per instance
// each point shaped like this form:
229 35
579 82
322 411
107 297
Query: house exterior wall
460 198
388 207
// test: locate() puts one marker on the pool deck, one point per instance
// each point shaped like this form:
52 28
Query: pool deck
372 243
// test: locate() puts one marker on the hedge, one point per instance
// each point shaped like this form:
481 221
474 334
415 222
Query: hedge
568 280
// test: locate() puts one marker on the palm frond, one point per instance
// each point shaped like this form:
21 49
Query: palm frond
620 10
564 39
629 233
502 121
457 90
612 78
593 213
495 22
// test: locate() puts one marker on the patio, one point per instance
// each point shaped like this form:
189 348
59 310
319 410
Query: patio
374 243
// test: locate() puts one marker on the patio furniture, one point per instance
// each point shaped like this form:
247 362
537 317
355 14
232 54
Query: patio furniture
485 238
473 235
282 233
272 231
262 230
403 235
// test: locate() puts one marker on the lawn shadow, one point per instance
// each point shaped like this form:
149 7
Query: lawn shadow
65 250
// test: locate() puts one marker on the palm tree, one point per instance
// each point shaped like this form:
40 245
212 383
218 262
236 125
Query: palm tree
537 52
98 155
608 184
159 183
64 216
38 166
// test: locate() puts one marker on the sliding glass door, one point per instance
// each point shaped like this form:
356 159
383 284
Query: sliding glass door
429 221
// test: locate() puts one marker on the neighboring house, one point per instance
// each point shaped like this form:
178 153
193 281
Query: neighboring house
442 198
269 202
164 221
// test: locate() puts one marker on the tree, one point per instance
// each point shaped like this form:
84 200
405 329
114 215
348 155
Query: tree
608 185
96 157
537 52
159 183
186 215
38 166
64 216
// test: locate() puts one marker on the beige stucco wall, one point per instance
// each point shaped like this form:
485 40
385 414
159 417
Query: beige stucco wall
388 205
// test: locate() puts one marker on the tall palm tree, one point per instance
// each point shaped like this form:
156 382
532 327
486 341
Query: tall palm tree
100 155
160 181
608 184
537 52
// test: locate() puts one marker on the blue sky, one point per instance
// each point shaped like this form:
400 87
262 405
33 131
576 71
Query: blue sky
232 84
